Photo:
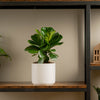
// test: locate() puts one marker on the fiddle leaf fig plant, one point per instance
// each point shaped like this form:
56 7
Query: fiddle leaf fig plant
42 44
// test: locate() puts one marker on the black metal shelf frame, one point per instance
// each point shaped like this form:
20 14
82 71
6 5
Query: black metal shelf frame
44 90
87 6
94 67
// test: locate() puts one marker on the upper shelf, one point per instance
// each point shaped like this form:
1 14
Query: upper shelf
29 87
94 66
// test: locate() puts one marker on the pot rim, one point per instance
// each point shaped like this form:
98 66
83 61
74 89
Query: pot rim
44 63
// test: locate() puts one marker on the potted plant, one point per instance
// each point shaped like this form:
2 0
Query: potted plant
97 89
3 53
41 44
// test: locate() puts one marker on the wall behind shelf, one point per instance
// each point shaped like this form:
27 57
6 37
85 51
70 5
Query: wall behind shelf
16 27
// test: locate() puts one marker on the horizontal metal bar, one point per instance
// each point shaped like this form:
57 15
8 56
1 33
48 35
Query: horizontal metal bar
49 3
94 67
44 90
41 7
40 3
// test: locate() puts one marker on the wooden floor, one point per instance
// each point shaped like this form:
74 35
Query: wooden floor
30 85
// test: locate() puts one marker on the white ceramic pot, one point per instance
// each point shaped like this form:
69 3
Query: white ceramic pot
43 73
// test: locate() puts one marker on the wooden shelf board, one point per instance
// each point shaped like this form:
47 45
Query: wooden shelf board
30 85
94 66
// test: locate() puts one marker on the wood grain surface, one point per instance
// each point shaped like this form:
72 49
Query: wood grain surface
30 85
94 64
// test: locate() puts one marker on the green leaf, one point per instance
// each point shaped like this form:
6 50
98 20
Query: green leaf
43 31
39 33
45 48
47 32
31 42
34 55
32 49
3 53
56 40
56 44
37 39
60 43
46 39
51 34
53 56
53 50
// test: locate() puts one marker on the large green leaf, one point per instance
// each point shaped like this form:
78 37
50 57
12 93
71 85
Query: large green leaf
38 32
37 39
47 33
46 39
44 31
50 31
51 34
41 35
55 40
32 49
53 56
33 43
59 43
55 44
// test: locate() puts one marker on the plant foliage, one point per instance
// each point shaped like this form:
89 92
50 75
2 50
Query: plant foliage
42 44
3 53
97 89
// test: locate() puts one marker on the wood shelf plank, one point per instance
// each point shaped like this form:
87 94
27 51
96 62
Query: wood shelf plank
29 87
94 66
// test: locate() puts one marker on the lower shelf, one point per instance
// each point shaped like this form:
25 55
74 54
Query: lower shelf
29 87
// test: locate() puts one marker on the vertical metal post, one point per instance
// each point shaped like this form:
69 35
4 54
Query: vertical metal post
87 51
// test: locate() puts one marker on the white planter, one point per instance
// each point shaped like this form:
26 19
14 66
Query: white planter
43 73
